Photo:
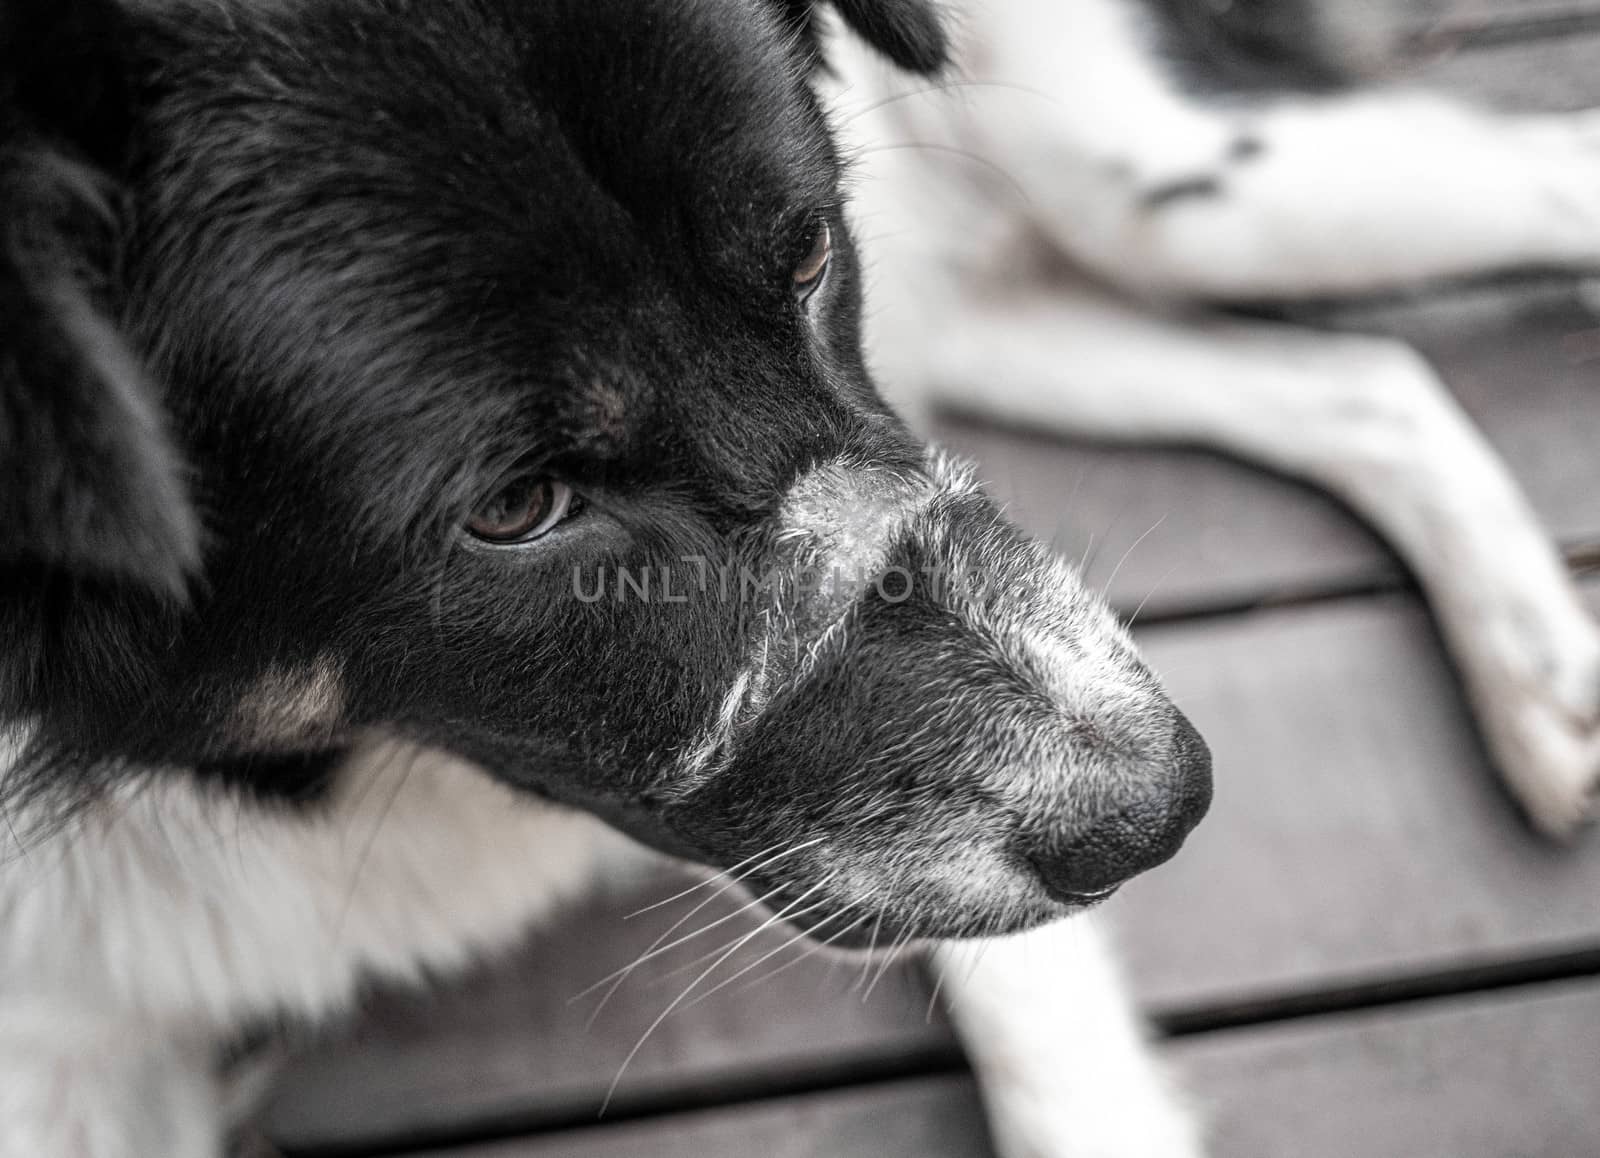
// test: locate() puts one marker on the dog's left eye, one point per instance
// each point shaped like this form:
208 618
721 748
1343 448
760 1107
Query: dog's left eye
526 508
813 267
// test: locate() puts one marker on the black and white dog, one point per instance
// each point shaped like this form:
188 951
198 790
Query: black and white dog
446 419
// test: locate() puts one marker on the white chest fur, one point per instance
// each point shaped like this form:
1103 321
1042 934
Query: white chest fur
178 906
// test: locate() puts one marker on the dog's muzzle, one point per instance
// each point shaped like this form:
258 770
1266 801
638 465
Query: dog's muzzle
963 731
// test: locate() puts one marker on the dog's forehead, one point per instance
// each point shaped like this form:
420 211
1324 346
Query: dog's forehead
484 161
687 104
429 214
667 109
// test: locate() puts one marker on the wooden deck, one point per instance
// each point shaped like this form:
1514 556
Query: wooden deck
1362 954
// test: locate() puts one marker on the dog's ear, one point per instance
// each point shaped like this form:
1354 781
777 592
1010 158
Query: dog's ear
91 486
911 33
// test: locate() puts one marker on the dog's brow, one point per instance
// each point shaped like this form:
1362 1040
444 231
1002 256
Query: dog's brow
607 411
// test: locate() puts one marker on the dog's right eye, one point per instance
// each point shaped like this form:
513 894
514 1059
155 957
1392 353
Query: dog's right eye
813 267
526 508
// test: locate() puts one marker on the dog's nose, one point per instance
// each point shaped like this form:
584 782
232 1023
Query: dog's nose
1141 825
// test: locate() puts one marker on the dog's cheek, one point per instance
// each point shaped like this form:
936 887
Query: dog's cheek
581 673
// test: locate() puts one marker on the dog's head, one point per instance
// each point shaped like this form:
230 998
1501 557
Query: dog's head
489 373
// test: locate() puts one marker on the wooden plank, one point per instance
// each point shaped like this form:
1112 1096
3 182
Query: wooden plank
1357 831
1489 1076
1187 529
933 1118
936 1118
508 1040
1493 1076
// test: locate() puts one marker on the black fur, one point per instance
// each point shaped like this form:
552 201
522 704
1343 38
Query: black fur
364 275
372 257
90 485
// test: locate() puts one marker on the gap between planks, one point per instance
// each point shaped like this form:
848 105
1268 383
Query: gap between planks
1470 31
866 1069
1582 558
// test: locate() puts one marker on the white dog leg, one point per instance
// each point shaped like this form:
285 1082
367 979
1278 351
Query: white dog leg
1364 418
1058 1049
1077 130
1351 196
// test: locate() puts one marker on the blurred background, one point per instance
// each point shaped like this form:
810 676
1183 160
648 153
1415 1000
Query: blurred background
1363 952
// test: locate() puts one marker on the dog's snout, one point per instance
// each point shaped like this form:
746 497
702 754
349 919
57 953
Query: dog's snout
1141 825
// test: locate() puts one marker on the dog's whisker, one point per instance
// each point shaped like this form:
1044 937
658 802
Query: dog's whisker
689 966
1083 559
21 847
736 873
730 875
787 912
725 877
889 958
933 998
872 947
810 952
977 959
869 958
657 949
864 983
650 949
1105 587
942 87
365 854
771 953
1156 586
1098 544
956 151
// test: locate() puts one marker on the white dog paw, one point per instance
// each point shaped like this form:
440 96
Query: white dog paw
1552 763
1545 733
1566 161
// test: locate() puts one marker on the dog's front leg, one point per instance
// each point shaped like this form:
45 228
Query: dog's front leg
1086 138
1314 199
1059 1050
1288 198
